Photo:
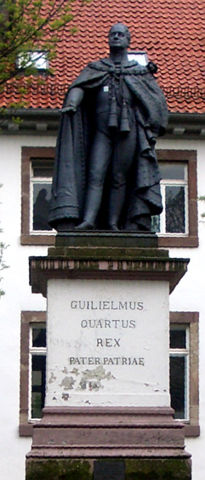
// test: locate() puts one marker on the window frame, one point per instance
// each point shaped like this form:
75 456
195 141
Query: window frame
187 156
28 318
190 158
191 319
166 183
183 352
37 180
28 237
34 351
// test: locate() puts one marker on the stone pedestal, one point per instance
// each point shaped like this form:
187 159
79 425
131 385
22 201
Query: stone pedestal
108 361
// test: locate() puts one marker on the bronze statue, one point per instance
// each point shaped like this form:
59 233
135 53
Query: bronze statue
106 173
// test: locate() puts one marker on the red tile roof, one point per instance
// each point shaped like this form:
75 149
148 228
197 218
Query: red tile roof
170 31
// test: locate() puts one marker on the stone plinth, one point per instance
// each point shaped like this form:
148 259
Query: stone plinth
107 390
109 469
101 256
94 432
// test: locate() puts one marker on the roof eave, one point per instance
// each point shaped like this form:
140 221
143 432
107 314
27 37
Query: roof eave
186 125
180 125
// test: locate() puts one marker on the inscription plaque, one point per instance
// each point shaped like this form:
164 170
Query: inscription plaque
107 343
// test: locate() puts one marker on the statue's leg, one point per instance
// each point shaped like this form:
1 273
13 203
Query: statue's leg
117 198
125 149
99 160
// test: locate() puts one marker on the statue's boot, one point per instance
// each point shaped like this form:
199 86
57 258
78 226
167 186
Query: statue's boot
65 225
93 201
117 198
85 226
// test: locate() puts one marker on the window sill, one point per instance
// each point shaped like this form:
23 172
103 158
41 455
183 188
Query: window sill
36 239
180 242
163 241
191 430
26 430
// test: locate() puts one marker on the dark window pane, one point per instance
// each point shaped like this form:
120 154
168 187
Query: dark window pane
43 167
175 209
41 202
38 385
172 171
178 338
177 385
39 336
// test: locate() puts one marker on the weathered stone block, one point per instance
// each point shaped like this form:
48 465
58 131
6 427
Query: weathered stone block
58 469
109 469
158 469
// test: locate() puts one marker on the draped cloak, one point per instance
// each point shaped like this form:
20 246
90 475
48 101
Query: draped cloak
75 139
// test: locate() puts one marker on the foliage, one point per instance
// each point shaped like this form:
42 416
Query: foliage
30 25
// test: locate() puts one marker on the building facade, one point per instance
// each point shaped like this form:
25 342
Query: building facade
170 33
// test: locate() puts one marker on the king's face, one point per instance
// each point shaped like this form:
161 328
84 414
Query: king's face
118 37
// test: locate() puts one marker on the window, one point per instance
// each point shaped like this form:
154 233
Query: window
174 190
37 171
183 369
32 370
37 367
140 57
179 370
41 178
176 226
37 59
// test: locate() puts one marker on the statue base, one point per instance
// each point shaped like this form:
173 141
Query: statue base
109 469
107 239
104 443
107 413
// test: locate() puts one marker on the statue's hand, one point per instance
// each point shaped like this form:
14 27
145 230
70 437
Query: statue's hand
69 109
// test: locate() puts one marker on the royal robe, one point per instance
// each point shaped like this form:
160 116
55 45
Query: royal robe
75 139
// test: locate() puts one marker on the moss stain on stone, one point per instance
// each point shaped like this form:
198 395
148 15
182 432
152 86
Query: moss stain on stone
135 469
158 469
58 470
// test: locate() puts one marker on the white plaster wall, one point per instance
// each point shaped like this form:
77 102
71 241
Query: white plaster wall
188 296
190 293
18 297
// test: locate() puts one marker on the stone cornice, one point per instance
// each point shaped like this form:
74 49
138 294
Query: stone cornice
46 121
115 265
